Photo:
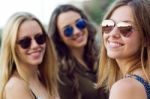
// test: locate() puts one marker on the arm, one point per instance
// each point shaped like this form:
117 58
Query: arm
127 88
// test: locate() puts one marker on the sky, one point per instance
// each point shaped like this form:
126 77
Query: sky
40 8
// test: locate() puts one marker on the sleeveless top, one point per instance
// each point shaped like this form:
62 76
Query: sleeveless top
34 95
144 83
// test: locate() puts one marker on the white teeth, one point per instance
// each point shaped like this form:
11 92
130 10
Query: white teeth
112 44
78 38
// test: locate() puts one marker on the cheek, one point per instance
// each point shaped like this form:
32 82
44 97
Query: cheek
19 52
44 47
135 44
86 32
63 37
134 40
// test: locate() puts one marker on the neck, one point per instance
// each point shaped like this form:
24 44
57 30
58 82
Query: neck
128 65
78 53
29 71
33 73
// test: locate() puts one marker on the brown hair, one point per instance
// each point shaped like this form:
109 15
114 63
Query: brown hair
9 58
66 60
108 69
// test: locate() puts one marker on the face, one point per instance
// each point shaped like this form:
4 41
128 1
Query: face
31 44
72 22
121 38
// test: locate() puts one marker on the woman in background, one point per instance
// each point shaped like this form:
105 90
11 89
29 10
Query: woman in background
74 39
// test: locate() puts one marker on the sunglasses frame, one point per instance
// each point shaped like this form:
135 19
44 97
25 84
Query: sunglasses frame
125 28
27 41
80 24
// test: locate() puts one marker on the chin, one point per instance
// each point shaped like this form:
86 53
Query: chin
113 56
83 44
36 62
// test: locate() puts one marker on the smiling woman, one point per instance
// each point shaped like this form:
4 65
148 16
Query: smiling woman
125 52
28 60
74 38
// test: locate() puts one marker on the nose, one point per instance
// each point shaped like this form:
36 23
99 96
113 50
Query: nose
114 32
34 44
76 30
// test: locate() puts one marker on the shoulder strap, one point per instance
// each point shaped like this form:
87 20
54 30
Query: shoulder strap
143 82
34 95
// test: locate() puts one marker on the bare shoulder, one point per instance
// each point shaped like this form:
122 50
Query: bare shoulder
16 88
127 88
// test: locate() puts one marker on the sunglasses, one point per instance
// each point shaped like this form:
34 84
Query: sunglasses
26 42
80 24
125 28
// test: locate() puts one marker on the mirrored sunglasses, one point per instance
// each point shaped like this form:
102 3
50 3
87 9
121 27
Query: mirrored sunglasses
26 41
80 24
125 28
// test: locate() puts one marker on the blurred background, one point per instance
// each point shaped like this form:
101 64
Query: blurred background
95 9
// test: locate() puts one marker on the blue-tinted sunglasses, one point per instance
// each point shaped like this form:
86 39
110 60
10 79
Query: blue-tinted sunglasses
80 24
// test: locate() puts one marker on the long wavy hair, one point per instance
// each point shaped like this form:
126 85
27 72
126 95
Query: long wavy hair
109 71
67 61
9 61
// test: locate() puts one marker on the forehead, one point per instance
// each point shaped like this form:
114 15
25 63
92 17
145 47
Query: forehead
123 13
29 27
68 17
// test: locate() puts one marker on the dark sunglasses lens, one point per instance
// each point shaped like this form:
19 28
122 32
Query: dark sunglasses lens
81 24
107 29
40 39
25 43
107 26
125 28
68 31
125 31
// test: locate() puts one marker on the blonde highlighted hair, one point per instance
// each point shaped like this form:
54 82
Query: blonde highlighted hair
109 71
9 59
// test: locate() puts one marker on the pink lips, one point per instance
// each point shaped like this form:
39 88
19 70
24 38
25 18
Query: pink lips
78 38
114 44
36 54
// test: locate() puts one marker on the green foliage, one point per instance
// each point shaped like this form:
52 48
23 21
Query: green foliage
96 13
97 9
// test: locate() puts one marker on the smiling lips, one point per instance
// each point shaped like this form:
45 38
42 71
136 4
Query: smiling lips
36 54
78 38
114 44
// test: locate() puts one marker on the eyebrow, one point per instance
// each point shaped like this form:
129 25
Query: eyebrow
24 36
120 21
71 25
78 19
128 21
66 26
